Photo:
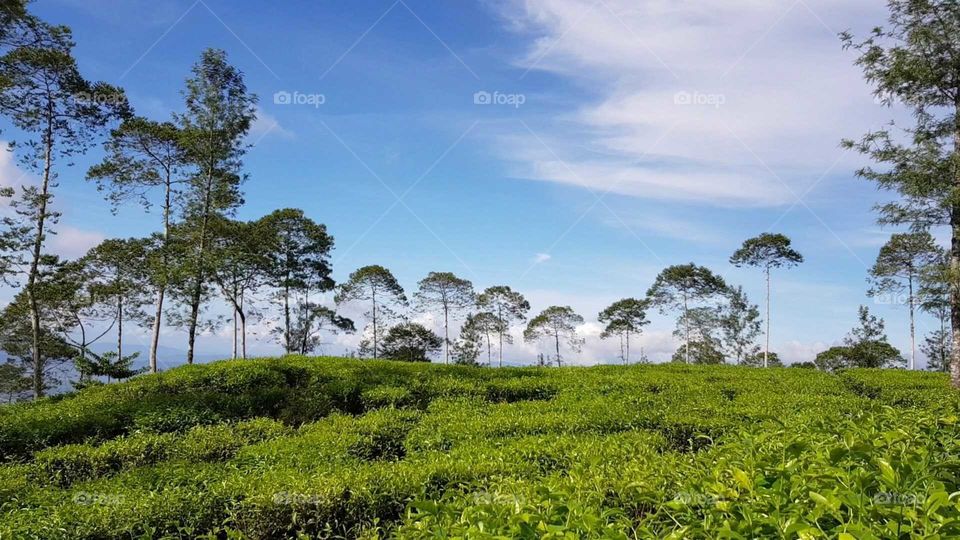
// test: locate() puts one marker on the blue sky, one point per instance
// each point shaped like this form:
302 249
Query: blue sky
625 136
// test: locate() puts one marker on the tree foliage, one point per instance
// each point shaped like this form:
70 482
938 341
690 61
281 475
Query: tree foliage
558 323
60 114
297 262
143 156
767 251
682 287
703 352
448 293
310 321
865 346
739 323
898 267
937 346
476 335
374 284
218 114
410 342
623 319
914 60
755 359
509 306
15 382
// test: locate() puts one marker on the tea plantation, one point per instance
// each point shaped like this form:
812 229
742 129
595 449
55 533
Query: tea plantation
325 447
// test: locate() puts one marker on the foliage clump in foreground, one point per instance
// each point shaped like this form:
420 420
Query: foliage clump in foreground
326 447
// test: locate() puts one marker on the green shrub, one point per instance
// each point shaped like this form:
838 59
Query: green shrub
386 396
319 447
170 419
382 434
510 390
64 465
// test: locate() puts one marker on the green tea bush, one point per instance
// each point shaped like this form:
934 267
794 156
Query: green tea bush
64 465
510 390
334 448
382 435
387 396
174 418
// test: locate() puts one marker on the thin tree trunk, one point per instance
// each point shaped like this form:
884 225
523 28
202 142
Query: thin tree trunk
446 334
155 338
913 339
286 317
766 348
162 289
373 296
236 329
235 324
955 265
686 330
955 300
243 330
556 336
500 332
307 325
194 315
119 326
627 359
201 251
305 331
83 349
944 341
195 301
489 352
35 261
243 336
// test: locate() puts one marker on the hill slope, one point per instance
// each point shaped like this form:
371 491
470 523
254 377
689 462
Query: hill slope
346 448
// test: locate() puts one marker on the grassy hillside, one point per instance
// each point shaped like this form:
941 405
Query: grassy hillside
344 448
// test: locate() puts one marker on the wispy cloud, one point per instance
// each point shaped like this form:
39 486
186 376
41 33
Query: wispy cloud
692 103
71 242
10 174
664 226
265 125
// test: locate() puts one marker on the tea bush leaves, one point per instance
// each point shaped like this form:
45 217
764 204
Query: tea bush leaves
336 448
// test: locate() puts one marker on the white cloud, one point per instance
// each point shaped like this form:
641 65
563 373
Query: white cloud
265 124
793 352
656 345
10 174
70 242
666 226
736 104
541 258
